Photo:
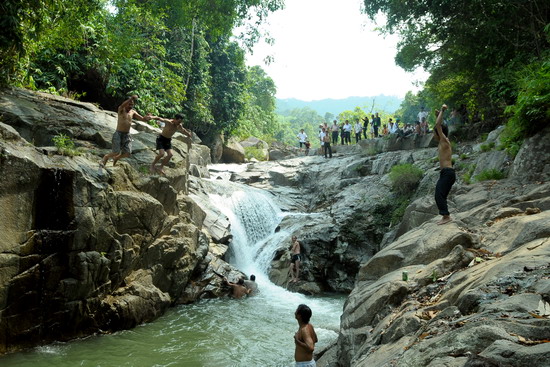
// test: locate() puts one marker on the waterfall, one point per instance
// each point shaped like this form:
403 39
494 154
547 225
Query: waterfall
254 217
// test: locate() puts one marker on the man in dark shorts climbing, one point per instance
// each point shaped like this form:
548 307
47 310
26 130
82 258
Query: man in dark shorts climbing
164 141
295 260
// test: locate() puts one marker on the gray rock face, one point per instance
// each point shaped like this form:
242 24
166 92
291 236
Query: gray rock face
233 152
533 159
475 287
84 249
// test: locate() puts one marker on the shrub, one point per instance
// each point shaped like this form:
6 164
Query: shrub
253 152
487 147
65 145
405 178
531 112
489 174
468 171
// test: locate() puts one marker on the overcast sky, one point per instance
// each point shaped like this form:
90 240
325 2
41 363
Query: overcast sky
329 49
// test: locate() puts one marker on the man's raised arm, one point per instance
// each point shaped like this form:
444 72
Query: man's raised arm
127 102
439 120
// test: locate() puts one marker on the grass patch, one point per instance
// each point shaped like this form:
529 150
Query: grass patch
490 174
468 172
487 147
405 178
65 145
256 153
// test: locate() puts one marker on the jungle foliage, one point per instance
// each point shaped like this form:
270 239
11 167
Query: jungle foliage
484 57
178 56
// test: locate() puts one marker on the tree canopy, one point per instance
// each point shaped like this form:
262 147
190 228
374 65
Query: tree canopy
477 52
178 56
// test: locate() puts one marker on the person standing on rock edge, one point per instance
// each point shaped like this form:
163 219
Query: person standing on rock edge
295 260
302 138
164 141
305 338
326 145
447 176
122 144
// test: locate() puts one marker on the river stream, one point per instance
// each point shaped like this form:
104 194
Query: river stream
256 331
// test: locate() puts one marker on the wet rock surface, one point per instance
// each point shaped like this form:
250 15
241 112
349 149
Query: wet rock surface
87 250
476 286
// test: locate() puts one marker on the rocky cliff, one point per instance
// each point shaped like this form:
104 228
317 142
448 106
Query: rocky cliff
87 250
84 250
478 289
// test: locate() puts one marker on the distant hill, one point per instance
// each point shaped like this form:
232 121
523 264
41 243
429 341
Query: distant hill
388 104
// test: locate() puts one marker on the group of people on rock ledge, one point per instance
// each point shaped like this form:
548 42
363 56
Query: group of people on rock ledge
342 132
447 173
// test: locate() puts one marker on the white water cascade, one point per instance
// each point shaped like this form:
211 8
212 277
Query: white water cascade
254 217
255 331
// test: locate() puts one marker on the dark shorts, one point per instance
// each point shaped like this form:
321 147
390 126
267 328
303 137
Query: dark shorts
122 143
295 257
447 178
164 143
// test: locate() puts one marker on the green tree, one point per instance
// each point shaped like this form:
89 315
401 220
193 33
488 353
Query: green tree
466 45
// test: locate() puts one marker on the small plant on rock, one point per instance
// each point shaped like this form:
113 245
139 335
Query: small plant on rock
65 145
487 147
489 174
253 152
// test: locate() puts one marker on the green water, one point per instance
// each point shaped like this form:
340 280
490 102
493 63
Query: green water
256 331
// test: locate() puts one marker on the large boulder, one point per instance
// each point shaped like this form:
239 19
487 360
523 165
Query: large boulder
533 159
233 152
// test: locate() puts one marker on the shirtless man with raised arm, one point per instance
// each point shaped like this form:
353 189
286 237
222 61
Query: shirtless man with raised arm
295 260
122 144
447 177
305 338
164 140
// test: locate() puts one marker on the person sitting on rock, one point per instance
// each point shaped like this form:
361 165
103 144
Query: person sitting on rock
122 144
164 140
238 290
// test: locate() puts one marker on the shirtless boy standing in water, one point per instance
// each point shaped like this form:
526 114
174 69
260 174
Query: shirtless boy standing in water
447 176
305 338
122 144
164 140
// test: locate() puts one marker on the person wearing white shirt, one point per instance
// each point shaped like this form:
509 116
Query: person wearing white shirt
393 127
302 137
347 132
422 114
335 128
358 130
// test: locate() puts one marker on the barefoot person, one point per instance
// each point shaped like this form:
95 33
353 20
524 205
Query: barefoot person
305 338
122 144
164 140
447 176
238 290
295 260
